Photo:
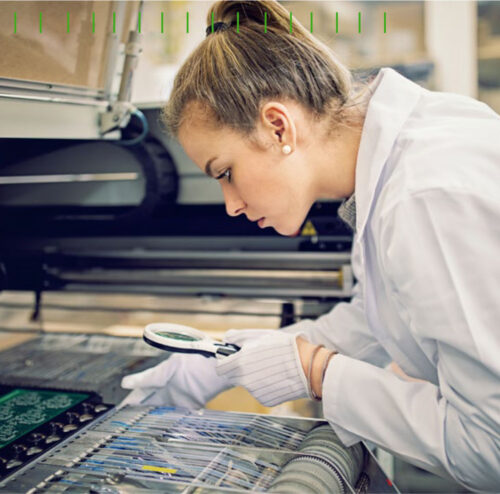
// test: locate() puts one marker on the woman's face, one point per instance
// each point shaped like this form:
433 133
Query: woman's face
260 182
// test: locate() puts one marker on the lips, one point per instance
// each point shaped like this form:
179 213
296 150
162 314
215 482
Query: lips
259 221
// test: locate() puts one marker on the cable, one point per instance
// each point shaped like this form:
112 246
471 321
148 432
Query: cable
142 135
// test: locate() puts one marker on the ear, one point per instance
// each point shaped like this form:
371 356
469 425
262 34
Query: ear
278 123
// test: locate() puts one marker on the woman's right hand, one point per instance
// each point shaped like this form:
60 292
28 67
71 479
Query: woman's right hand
182 380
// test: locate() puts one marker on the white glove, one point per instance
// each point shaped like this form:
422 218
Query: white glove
268 365
183 380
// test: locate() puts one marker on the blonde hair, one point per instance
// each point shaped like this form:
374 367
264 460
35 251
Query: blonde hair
230 74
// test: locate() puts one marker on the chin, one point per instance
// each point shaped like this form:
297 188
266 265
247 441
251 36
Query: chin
287 231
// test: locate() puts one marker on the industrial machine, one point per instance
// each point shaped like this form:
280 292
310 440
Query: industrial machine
152 236
92 250
81 445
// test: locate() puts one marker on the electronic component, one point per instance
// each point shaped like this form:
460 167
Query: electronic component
179 450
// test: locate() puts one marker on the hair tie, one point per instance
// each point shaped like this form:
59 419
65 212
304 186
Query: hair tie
218 26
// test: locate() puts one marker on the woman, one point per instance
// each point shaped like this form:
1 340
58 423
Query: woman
276 119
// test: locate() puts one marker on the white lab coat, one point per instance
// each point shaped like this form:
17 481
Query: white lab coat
427 258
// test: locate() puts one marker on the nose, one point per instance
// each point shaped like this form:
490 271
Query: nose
234 203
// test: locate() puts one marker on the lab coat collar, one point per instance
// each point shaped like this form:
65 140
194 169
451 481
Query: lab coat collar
392 102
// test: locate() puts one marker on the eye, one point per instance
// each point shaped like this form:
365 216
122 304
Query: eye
226 174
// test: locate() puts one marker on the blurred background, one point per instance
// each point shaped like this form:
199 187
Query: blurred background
459 40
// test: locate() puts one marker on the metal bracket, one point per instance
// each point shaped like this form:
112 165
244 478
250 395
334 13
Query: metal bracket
118 114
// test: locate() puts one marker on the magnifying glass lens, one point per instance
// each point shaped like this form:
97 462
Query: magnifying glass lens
177 336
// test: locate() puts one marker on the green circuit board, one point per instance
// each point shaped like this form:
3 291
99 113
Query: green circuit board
23 410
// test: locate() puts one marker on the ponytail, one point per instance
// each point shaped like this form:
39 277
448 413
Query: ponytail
231 73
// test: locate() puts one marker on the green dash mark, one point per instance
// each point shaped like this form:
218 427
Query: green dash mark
139 20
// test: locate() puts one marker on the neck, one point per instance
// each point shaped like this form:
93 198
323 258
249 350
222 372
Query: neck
336 161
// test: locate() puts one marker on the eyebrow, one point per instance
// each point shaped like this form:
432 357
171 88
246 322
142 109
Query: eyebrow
208 169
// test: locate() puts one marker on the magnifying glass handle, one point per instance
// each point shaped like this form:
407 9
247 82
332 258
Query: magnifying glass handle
227 349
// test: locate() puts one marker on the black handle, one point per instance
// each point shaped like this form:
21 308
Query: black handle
227 349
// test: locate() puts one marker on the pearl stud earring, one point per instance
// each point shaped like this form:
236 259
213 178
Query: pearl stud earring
286 149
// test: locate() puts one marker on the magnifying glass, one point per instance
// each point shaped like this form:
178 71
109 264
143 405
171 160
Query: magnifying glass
184 339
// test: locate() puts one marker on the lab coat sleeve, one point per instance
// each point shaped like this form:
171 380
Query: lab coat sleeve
440 253
344 328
